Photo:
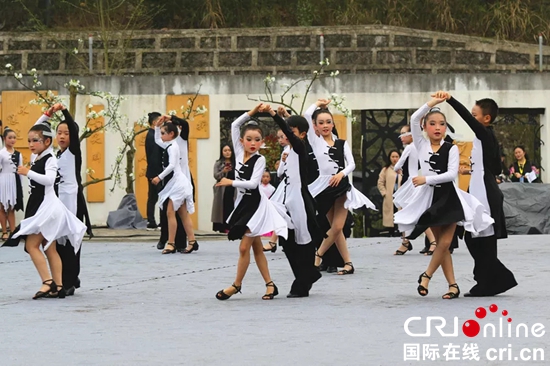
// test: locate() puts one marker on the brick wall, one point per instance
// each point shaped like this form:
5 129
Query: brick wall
360 49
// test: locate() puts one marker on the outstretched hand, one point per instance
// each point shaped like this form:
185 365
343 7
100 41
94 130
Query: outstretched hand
224 182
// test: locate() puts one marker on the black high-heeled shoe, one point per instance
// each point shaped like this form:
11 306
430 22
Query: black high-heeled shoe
407 245
430 252
452 295
272 247
223 296
169 251
194 247
347 271
59 293
40 294
420 287
273 294
319 256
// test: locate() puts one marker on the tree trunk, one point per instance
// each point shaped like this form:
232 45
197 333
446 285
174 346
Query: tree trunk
72 100
130 154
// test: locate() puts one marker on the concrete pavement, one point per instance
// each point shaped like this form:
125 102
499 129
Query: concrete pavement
137 307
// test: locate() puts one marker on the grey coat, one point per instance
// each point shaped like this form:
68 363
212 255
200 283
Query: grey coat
217 204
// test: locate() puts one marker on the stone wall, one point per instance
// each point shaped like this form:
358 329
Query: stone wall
359 49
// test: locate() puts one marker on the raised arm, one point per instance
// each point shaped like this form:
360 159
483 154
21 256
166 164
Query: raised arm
74 146
236 132
48 178
416 118
256 177
308 115
296 143
173 159
452 169
184 134
403 158
281 168
479 130
158 139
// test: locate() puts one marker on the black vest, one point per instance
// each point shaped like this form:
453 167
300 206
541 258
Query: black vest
312 165
439 160
245 173
19 188
165 163
336 153
38 190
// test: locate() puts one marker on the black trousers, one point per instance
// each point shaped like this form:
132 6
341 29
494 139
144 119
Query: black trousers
491 275
181 235
70 262
152 199
301 259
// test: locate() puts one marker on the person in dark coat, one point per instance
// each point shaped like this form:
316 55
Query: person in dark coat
491 276
153 154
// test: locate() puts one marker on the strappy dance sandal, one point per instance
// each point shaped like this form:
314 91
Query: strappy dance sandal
452 295
169 251
318 256
59 293
223 296
272 247
194 247
41 294
407 245
5 236
421 288
430 252
273 294
347 271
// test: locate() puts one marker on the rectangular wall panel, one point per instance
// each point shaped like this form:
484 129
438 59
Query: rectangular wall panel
95 159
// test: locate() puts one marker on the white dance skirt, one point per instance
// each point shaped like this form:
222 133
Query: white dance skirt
8 190
53 220
403 195
476 217
279 194
354 198
179 190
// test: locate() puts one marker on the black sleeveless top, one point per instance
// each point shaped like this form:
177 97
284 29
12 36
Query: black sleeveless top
19 188
336 153
439 160
38 190
312 165
165 163
249 203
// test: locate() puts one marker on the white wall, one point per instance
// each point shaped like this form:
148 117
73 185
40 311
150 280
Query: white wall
146 94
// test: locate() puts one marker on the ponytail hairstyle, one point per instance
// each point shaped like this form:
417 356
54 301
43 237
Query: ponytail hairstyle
252 126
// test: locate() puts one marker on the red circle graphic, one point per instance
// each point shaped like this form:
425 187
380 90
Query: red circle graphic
481 313
470 328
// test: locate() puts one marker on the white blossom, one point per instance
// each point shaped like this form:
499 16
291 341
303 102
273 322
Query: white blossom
75 51
90 106
9 66
172 113
38 83
18 76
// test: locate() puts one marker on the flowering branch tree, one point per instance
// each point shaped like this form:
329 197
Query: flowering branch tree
130 134
288 89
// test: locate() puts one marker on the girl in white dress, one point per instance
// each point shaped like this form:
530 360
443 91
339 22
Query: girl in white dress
46 217
437 202
70 191
332 189
254 214
408 166
177 187
11 191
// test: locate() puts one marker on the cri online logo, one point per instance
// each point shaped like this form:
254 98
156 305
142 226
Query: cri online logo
471 327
